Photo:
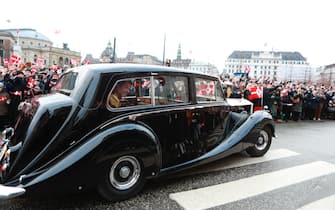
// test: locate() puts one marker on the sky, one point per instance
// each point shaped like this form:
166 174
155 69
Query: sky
208 31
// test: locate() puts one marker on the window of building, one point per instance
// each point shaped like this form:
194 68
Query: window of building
208 90
1 41
31 43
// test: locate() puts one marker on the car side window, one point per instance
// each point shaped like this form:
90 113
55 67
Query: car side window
208 90
130 92
171 90
157 90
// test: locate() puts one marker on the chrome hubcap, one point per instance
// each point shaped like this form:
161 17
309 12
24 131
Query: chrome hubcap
125 172
263 140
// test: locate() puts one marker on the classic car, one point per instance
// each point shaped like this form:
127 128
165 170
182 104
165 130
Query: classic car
168 120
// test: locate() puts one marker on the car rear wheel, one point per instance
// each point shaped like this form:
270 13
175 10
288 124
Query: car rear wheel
122 178
263 142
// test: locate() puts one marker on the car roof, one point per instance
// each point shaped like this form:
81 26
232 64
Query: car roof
128 67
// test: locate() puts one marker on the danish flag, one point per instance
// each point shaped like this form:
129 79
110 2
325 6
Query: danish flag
256 92
15 59
3 98
247 69
30 83
73 61
40 59
5 61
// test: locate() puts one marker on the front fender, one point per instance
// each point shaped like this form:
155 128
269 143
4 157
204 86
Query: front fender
80 166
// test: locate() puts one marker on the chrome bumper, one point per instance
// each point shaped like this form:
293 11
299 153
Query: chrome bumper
10 192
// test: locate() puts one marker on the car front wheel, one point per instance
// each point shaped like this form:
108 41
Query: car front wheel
263 142
122 178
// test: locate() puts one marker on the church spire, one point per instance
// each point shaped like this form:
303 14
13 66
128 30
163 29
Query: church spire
179 53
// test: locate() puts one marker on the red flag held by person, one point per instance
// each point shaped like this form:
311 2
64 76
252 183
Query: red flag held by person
247 69
256 92
73 61
31 82
5 61
15 59
40 59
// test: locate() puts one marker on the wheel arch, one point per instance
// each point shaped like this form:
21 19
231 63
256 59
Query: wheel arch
131 138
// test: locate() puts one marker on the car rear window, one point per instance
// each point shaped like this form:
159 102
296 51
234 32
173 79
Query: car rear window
208 90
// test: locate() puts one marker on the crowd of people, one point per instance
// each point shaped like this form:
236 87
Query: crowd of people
286 100
20 83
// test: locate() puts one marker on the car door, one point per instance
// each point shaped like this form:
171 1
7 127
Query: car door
211 115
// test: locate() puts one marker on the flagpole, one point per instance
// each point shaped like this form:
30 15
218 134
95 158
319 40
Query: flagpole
18 36
164 49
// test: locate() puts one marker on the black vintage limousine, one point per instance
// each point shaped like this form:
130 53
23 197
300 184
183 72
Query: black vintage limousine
111 127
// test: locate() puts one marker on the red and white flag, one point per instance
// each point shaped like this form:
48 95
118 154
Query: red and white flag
54 67
31 82
5 61
40 59
247 69
87 62
15 59
256 92
73 61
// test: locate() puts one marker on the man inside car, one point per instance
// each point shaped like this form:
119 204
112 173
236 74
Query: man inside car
121 90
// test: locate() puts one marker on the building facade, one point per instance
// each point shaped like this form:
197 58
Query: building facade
179 62
6 46
30 45
203 67
269 64
139 58
327 75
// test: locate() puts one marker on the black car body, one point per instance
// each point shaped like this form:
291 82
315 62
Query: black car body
172 119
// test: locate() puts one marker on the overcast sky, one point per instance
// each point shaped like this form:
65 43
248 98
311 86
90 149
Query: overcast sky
208 31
